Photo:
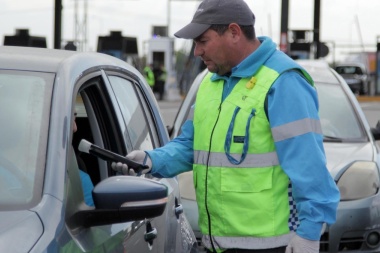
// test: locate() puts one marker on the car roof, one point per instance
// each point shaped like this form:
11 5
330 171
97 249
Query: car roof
350 64
34 59
52 60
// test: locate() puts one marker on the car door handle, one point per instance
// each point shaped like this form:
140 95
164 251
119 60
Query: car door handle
151 233
178 208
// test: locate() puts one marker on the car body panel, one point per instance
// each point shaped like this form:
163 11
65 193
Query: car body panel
13 224
340 154
48 222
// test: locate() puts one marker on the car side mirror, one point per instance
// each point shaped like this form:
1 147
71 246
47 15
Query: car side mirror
376 131
121 199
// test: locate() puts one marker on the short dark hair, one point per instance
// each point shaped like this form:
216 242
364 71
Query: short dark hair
248 30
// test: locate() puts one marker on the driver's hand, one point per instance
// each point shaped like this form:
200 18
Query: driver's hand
138 156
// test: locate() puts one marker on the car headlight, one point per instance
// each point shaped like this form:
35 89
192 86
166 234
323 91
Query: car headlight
359 180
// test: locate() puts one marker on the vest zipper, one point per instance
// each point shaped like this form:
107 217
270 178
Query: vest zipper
208 159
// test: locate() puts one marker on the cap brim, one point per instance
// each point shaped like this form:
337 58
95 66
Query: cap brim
192 31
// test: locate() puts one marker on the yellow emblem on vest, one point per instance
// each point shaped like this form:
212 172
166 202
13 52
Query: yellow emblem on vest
251 83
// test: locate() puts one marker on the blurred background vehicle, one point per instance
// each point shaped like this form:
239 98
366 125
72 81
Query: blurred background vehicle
352 158
42 206
356 76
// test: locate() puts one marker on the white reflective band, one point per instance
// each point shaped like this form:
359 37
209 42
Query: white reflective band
296 128
221 242
218 159
155 202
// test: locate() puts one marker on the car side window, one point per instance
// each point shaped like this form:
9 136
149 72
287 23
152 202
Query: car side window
96 123
358 71
136 118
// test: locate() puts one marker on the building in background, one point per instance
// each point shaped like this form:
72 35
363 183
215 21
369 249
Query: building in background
23 38
119 46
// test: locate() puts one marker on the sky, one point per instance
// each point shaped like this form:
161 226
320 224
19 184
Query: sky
352 23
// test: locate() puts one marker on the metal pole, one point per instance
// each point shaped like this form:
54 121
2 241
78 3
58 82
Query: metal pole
168 20
284 26
57 24
317 13
377 64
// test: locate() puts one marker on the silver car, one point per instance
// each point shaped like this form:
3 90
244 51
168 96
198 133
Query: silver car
356 76
42 201
352 159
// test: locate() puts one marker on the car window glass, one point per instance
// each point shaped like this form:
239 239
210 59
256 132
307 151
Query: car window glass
358 71
150 120
133 113
349 70
24 108
95 123
338 118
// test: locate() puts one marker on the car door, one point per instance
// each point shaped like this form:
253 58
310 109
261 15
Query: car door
141 132
98 121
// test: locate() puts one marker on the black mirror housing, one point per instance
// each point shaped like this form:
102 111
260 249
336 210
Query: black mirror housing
122 199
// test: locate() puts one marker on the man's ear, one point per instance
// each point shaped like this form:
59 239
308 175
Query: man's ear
235 30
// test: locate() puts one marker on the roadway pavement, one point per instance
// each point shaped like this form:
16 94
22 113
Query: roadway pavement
169 109
371 108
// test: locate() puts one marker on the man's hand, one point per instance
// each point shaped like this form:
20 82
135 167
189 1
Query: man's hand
137 156
300 245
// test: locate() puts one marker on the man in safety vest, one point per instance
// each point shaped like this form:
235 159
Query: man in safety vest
149 75
160 80
255 144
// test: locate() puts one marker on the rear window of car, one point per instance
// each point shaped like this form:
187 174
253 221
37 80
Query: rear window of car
349 70
24 108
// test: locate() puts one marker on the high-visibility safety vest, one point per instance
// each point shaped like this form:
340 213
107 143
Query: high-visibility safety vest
241 190
149 76
162 76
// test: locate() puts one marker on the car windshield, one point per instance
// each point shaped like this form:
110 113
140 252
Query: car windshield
338 117
349 70
25 104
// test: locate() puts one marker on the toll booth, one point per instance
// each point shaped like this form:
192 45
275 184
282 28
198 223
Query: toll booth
22 38
160 52
302 45
119 46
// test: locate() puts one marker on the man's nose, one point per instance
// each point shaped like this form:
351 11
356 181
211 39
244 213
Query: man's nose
197 50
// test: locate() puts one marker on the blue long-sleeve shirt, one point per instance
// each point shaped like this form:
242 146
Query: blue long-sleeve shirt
87 188
302 158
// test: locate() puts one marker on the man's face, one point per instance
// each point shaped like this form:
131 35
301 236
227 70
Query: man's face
215 51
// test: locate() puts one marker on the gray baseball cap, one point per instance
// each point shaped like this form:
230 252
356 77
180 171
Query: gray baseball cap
217 12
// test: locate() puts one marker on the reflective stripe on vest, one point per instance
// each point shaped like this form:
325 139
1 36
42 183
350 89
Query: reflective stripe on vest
247 242
215 159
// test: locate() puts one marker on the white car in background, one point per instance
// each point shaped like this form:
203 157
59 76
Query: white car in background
352 159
